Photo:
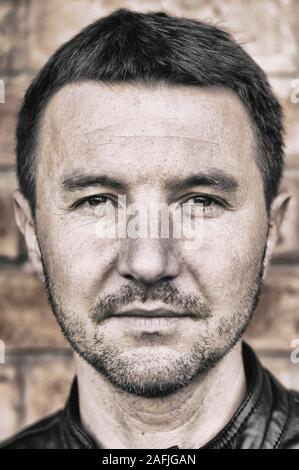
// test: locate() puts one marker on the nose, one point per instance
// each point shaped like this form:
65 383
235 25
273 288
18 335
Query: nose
148 260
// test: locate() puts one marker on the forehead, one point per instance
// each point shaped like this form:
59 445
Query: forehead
131 128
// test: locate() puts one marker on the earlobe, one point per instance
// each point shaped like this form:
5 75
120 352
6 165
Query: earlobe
26 225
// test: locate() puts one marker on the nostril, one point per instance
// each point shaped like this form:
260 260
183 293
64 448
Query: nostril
129 277
168 278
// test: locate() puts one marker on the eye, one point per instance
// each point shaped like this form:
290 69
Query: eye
204 200
209 206
93 201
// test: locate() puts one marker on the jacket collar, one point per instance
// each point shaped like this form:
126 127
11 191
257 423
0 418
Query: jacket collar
259 422
262 416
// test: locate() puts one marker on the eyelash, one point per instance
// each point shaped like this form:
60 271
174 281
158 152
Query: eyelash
209 198
87 199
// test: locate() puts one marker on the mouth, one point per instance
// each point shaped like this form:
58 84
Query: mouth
151 320
153 313
149 324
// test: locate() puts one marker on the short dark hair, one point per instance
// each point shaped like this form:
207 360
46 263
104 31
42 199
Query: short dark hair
149 48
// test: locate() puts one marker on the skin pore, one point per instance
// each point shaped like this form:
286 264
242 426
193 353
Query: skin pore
144 386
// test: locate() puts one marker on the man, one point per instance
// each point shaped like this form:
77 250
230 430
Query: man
151 109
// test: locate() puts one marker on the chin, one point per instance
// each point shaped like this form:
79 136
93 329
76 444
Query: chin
152 372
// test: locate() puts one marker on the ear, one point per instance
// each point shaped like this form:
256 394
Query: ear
277 215
26 225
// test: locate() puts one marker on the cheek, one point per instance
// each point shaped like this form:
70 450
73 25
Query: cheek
229 258
76 258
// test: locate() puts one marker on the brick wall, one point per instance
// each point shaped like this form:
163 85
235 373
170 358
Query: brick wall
38 369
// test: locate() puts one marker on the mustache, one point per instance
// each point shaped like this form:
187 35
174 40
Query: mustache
165 292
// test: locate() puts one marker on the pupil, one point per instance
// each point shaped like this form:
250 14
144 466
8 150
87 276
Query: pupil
202 200
95 201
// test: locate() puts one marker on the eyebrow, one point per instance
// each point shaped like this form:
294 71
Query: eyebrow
80 180
213 178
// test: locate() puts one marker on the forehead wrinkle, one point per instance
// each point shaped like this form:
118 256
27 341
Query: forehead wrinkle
78 123
152 136
142 121
66 142
101 129
62 144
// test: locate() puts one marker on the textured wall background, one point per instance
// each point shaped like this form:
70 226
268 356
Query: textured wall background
38 369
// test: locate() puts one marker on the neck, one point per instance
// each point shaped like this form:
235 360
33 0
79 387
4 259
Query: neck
189 418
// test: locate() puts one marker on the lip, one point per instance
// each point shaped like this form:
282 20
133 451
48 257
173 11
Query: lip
149 323
154 313
151 320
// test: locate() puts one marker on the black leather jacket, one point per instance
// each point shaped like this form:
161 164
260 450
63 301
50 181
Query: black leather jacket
268 418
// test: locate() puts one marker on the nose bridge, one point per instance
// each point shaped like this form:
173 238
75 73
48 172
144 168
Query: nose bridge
148 260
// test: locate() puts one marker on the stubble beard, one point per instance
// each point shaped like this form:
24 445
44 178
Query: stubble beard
150 371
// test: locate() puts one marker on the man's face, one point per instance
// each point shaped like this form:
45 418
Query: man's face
98 142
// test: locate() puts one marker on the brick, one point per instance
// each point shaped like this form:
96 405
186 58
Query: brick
288 244
287 91
292 160
7 130
23 302
14 90
53 23
276 321
292 131
264 27
283 369
13 20
35 380
26 320
48 379
47 385
10 401
9 234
